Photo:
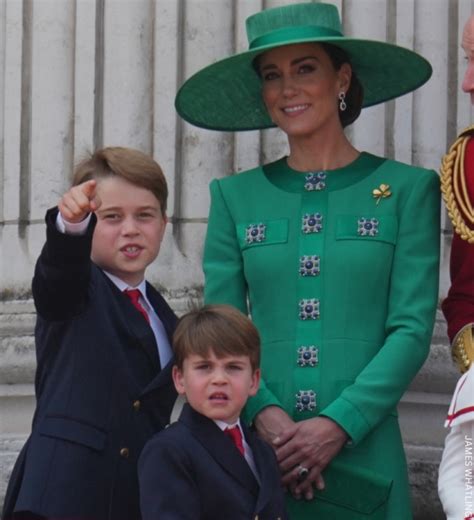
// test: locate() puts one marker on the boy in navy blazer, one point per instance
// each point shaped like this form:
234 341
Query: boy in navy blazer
208 465
103 381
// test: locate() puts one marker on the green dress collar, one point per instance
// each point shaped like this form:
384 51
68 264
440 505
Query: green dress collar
285 178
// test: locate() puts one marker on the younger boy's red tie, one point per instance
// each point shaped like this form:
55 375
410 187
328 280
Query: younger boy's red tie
134 295
236 435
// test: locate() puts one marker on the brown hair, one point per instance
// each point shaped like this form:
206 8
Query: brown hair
221 329
355 93
132 165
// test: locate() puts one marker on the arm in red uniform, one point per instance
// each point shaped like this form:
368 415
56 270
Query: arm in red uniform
458 307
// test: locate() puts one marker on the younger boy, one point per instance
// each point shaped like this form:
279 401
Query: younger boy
103 386
208 465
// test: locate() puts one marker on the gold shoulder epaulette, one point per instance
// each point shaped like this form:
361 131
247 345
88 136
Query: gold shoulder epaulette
463 348
454 187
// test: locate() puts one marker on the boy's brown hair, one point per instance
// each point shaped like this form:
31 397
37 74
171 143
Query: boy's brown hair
132 165
221 329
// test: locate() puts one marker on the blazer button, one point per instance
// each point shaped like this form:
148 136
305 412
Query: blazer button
124 453
136 405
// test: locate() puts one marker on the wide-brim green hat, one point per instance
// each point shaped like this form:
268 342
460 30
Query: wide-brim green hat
227 94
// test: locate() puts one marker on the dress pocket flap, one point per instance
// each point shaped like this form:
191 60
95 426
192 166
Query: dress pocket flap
72 430
357 490
383 228
262 232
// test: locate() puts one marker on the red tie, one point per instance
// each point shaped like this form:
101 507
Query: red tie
236 435
134 295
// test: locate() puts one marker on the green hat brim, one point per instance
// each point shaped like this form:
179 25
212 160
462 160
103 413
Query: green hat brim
226 95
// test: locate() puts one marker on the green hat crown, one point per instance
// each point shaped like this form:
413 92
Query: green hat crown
283 24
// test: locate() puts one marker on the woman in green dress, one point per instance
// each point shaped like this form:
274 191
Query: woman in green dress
334 252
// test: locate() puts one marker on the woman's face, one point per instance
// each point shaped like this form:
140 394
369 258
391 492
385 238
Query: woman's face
300 88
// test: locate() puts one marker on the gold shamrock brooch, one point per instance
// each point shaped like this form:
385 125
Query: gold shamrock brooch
382 192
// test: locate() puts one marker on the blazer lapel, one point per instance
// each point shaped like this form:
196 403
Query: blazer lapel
219 447
162 309
168 319
139 329
163 377
265 491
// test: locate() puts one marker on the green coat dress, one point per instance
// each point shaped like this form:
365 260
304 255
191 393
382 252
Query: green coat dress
343 288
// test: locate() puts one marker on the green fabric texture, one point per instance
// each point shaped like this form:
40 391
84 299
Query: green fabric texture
377 295
350 493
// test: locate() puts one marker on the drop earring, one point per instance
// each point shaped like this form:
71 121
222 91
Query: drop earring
342 99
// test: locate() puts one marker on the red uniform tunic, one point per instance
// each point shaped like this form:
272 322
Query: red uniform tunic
458 307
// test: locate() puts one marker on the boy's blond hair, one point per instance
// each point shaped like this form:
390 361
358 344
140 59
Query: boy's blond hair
221 329
132 165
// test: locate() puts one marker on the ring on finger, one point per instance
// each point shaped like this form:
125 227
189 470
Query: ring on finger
302 472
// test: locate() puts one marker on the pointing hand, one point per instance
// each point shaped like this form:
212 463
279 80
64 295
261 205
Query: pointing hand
79 201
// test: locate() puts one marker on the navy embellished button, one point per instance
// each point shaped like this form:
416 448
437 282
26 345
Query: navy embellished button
305 400
309 265
312 223
315 181
308 356
309 309
255 233
368 227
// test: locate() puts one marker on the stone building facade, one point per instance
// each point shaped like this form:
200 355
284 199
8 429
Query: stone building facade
80 74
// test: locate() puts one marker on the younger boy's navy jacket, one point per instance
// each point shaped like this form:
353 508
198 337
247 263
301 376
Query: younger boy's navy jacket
193 471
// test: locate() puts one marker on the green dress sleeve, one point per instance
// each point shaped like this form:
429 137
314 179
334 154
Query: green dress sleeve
224 276
412 306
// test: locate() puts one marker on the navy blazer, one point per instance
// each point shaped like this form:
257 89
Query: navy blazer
192 471
99 389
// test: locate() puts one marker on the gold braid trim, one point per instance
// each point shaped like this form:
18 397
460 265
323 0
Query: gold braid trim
454 188
463 348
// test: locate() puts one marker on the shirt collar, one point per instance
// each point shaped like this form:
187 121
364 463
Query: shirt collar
223 425
122 286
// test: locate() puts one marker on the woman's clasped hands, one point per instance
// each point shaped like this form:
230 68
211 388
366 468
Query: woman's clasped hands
303 448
